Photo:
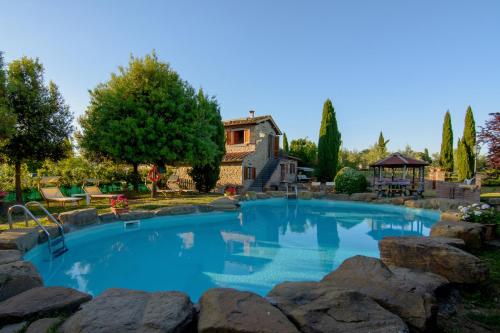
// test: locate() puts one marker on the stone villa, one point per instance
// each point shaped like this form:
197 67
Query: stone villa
253 159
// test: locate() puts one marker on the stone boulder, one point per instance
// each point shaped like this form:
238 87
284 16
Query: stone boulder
41 302
367 196
277 194
441 204
17 277
318 195
316 307
53 231
13 328
305 195
225 204
8 256
175 210
230 310
495 202
456 242
137 215
79 217
337 196
108 217
43 325
450 216
122 310
204 208
19 239
262 195
250 195
409 294
426 254
471 233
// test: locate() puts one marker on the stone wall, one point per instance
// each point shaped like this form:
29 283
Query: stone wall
257 160
458 191
230 174
275 179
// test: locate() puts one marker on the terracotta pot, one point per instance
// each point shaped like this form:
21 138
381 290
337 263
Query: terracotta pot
118 211
491 231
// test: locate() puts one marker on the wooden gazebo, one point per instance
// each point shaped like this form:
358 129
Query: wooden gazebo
398 183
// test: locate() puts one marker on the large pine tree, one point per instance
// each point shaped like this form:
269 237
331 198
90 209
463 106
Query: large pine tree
446 155
329 144
469 140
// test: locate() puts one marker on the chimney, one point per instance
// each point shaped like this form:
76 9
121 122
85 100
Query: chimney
251 114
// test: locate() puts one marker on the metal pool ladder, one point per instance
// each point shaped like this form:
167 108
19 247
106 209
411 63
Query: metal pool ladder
294 189
52 241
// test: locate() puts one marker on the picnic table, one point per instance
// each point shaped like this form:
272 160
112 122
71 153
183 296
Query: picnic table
392 187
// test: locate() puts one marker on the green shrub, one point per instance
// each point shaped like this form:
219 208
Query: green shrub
350 181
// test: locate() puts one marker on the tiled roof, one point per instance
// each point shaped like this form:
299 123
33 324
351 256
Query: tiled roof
236 157
399 160
252 121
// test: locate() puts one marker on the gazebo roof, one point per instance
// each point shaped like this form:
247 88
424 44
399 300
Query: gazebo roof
397 160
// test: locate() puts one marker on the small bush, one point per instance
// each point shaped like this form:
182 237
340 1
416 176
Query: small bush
350 181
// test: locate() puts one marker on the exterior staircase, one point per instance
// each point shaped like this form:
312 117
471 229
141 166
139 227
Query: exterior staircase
264 176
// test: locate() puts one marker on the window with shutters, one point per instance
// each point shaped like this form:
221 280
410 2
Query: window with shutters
249 173
292 168
238 136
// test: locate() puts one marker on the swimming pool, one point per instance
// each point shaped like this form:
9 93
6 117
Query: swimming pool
268 242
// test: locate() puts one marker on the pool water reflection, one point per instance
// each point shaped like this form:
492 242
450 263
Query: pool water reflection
269 242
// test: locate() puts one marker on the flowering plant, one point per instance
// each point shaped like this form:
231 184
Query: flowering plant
479 213
230 191
119 202
3 194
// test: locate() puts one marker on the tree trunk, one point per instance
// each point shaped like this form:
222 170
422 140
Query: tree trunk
136 177
19 192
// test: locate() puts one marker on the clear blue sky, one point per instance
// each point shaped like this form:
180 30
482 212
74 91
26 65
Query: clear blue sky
395 66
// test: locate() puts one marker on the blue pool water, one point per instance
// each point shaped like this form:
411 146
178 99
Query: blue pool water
270 241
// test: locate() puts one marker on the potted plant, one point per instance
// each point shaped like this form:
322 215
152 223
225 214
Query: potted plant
230 191
481 213
119 205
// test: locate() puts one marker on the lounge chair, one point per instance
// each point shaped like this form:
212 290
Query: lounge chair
53 193
94 192
159 190
173 183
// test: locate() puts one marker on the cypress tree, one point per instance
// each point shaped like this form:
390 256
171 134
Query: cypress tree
328 144
463 167
285 144
469 139
446 155
382 146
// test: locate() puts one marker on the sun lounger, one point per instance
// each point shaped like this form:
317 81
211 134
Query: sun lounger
94 192
159 190
53 193
174 183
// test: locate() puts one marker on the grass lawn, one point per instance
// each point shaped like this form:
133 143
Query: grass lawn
143 201
479 310
490 192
